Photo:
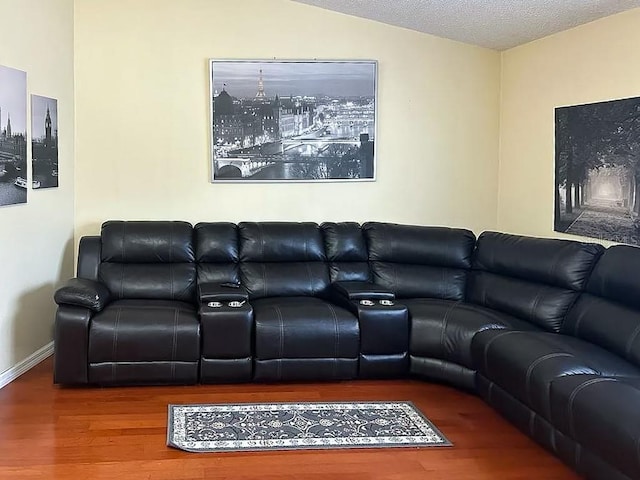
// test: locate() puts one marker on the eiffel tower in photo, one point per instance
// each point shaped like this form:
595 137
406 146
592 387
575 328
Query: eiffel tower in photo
261 93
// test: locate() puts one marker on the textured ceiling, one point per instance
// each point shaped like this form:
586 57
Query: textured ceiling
497 24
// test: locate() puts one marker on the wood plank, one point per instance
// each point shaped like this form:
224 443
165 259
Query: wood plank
52 432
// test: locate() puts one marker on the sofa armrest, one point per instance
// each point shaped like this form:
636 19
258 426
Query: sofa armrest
81 292
71 340
361 291
222 292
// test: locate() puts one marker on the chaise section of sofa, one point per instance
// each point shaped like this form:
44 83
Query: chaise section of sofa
564 388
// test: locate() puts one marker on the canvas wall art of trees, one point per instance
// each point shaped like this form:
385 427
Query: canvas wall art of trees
597 170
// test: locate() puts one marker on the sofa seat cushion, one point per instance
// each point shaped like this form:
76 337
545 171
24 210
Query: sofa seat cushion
525 363
145 331
303 327
443 329
601 414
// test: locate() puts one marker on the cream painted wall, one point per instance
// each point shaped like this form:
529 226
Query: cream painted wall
591 63
142 106
36 238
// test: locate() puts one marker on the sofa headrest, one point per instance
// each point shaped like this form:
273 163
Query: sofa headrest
434 246
344 242
616 276
561 263
280 242
147 242
216 242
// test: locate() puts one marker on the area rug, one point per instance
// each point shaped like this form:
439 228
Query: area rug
290 426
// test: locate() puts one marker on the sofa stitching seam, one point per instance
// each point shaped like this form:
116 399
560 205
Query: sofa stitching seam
445 323
114 347
281 345
122 280
534 364
491 340
336 339
573 396
631 341
536 301
175 344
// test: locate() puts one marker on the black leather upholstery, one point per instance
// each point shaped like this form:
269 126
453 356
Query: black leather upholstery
609 313
600 413
560 263
615 276
214 292
443 371
587 376
416 262
297 369
227 343
172 338
525 363
444 329
89 254
301 328
71 345
361 291
281 242
282 259
83 293
304 327
384 338
533 279
147 242
346 251
588 463
148 260
217 253
170 281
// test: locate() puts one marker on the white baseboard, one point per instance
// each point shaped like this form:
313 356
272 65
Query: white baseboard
25 365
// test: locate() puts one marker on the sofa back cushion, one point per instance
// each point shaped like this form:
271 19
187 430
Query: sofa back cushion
282 259
152 260
416 261
217 252
608 313
346 250
535 279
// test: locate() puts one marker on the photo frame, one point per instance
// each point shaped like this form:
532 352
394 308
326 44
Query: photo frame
597 175
14 182
293 120
44 141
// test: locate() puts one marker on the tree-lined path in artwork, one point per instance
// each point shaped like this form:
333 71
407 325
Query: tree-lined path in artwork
598 170
599 220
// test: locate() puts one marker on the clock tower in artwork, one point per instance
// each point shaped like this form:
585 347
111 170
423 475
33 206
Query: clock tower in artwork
47 130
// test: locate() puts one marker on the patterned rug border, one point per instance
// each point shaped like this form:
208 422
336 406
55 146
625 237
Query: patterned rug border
297 444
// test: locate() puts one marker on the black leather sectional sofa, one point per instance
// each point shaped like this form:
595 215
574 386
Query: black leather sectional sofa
546 331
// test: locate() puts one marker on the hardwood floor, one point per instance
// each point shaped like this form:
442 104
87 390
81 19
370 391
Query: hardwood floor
48 432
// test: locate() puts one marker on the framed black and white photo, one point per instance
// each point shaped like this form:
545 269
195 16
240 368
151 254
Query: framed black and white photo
44 141
597 170
13 136
293 120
